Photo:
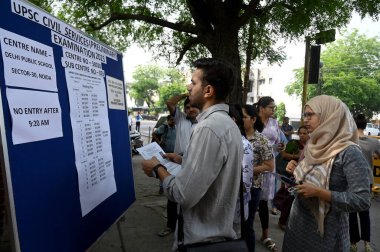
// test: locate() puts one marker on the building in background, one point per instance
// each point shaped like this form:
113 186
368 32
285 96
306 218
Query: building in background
271 81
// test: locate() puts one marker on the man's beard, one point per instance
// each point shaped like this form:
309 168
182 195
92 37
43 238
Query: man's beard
198 105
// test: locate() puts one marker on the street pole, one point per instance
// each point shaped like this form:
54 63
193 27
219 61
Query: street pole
305 75
320 79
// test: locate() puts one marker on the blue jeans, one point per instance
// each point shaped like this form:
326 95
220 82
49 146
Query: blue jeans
248 224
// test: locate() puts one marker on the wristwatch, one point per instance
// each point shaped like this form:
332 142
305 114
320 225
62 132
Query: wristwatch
155 170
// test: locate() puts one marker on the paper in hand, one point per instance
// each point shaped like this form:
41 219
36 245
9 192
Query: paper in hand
154 150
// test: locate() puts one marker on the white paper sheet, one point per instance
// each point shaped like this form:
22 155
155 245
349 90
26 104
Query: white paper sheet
115 91
27 63
91 137
35 115
154 150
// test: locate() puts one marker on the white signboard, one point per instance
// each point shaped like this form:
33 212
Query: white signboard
27 63
115 93
35 115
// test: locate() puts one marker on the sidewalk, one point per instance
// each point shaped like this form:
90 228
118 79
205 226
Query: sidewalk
144 219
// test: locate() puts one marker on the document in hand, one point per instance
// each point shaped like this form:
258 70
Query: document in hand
154 150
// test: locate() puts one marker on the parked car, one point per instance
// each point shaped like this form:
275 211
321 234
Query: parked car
371 130
160 121
150 117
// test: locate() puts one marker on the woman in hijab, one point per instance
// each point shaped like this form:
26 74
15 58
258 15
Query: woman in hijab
331 180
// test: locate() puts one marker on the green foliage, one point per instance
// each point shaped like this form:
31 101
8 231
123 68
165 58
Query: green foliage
296 87
351 72
47 5
280 111
146 83
151 81
179 29
169 90
173 24
173 76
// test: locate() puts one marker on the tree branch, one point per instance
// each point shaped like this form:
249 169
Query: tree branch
289 7
250 10
198 10
180 27
186 47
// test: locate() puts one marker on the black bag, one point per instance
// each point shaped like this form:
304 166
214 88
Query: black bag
281 197
238 245
281 165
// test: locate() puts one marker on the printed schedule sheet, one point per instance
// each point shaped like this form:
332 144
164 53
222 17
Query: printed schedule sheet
91 136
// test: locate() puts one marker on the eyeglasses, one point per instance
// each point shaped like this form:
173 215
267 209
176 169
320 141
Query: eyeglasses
308 115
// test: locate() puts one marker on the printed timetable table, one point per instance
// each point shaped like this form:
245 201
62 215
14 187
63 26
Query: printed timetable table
92 153
92 140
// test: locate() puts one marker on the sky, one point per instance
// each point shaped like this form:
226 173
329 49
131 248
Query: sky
296 59
295 52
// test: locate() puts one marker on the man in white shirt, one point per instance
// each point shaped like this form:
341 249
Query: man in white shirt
138 121
207 187
185 122
129 121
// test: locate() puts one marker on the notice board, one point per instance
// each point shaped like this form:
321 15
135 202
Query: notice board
64 131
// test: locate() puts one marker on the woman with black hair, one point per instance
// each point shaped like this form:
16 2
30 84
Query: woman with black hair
293 151
247 167
263 162
266 107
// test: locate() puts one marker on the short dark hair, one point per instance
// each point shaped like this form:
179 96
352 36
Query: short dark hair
252 112
301 127
361 122
236 112
169 117
218 74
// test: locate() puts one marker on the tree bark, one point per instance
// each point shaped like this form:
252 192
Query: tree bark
248 60
218 32
224 45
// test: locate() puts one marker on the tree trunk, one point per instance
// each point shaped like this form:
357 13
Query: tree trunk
248 60
224 45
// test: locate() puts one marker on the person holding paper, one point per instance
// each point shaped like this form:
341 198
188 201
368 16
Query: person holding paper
207 187
165 136
185 122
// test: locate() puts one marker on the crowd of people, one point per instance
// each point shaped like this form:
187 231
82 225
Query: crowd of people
225 149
